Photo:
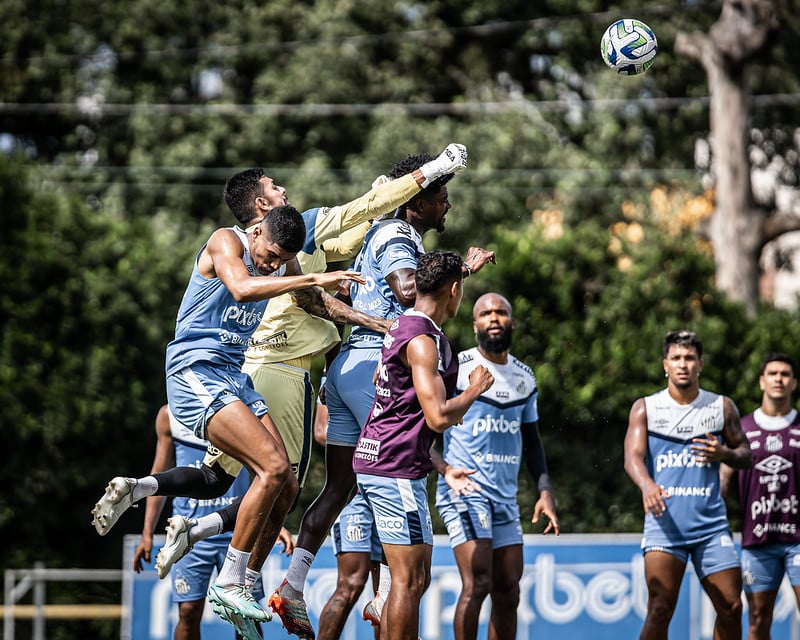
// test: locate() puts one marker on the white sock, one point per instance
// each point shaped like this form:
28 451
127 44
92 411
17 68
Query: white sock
250 578
205 527
144 487
298 568
234 568
384 581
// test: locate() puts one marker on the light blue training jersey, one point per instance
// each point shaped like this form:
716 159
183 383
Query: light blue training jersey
490 439
695 510
189 452
212 326
388 246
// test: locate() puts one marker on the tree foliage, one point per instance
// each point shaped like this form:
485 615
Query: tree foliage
120 122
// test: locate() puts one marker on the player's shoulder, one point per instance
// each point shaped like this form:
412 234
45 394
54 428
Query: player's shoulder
467 356
521 367
390 229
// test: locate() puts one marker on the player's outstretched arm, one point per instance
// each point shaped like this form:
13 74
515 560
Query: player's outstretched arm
386 195
322 304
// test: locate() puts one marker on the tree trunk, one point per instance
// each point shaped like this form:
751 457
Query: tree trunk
737 227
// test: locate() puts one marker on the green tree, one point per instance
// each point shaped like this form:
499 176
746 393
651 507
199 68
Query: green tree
88 304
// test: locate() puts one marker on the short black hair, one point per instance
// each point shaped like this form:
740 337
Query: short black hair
436 270
778 356
682 338
286 227
412 163
241 191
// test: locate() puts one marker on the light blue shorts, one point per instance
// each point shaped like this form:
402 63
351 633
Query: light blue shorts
196 393
400 508
192 574
763 567
712 555
475 517
354 530
349 394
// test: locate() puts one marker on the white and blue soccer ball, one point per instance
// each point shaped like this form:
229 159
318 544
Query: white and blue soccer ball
629 46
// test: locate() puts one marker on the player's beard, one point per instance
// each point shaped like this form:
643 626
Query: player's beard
498 344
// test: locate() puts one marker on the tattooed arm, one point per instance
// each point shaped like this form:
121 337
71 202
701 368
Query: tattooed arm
317 302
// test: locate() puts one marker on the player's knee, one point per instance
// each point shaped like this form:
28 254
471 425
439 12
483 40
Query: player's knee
506 595
216 479
760 619
478 586
730 609
350 587
191 613
659 610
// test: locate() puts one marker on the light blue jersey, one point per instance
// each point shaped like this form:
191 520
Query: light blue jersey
388 246
695 510
212 326
489 438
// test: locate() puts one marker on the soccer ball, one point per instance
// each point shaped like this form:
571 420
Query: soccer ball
629 46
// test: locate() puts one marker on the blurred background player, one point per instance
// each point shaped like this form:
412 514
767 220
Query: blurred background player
768 494
497 432
675 442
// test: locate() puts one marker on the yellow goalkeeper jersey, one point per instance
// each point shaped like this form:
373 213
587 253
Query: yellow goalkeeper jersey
333 234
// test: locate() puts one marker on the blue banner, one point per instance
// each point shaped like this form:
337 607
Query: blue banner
573 586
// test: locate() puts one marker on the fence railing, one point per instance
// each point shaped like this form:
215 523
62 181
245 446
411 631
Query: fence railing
18 582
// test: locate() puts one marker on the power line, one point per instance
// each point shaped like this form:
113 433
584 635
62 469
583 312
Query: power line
215 50
90 108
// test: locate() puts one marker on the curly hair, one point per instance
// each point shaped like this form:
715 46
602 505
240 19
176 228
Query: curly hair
437 270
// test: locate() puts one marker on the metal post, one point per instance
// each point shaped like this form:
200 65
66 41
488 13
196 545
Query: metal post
8 605
39 599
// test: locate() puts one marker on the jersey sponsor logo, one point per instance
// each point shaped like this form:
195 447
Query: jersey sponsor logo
226 337
377 409
773 504
367 449
661 423
241 315
279 339
490 424
382 523
794 443
688 492
496 458
388 339
760 530
464 357
502 395
683 459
